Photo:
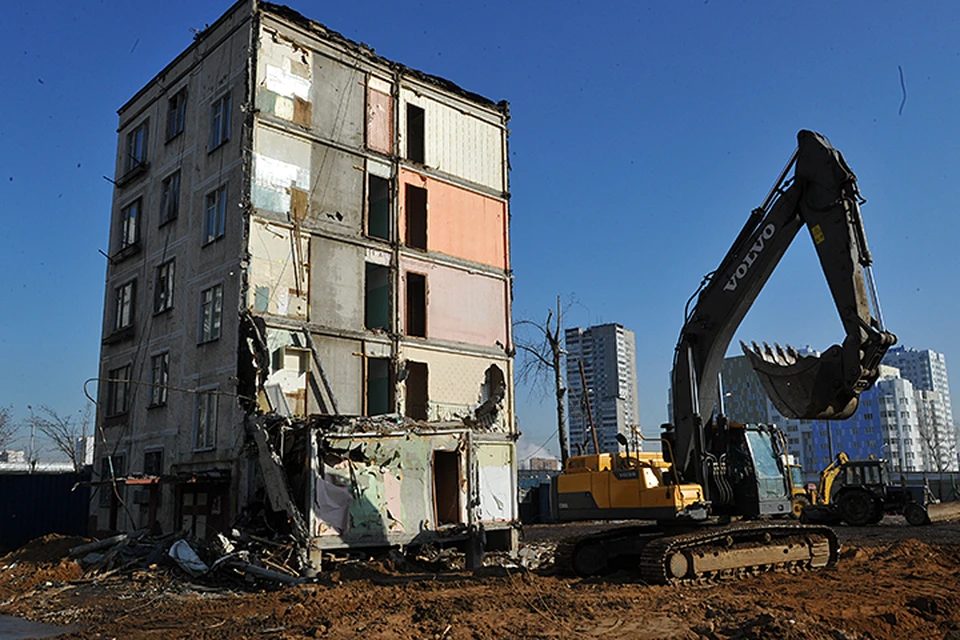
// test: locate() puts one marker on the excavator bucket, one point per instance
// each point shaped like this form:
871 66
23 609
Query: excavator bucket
805 387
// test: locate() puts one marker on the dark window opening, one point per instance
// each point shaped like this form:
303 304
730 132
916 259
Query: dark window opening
416 388
378 207
446 486
376 313
379 396
416 324
415 134
153 463
415 214
176 114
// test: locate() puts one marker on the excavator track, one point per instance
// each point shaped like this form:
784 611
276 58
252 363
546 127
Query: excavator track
701 555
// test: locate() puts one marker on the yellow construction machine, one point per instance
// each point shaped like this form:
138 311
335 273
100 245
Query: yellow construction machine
712 471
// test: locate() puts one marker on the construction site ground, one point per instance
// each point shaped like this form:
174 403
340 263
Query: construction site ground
892 581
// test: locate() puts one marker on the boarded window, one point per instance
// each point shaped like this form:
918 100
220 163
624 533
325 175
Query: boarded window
379 396
416 388
376 313
379 121
378 207
416 324
415 215
446 486
415 134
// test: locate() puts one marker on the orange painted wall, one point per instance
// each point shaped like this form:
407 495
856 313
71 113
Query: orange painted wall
460 223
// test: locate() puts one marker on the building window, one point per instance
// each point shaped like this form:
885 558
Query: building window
415 216
163 288
415 134
216 214
219 122
159 379
170 197
376 312
153 463
124 307
137 148
416 320
176 114
378 207
211 311
118 391
205 436
130 224
379 390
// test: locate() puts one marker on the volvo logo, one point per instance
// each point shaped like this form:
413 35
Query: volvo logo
751 256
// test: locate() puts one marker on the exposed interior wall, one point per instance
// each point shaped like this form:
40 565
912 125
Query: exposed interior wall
457 384
389 490
461 306
279 278
462 142
336 295
460 222
497 477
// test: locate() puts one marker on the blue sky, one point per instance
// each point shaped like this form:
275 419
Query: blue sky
642 135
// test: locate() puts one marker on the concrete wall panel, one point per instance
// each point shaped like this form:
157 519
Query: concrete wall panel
461 306
461 223
336 193
497 487
338 99
337 292
344 369
281 163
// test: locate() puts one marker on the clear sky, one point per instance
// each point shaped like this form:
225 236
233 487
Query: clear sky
642 134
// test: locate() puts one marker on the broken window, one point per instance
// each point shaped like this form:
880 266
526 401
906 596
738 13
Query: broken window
211 311
216 214
416 390
118 391
136 148
170 197
378 207
415 134
159 379
446 486
123 307
415 216
176 114
163 287
379 389
219 122
130 225
416 321
205 433
376 312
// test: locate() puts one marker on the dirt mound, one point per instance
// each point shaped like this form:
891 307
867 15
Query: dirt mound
38 562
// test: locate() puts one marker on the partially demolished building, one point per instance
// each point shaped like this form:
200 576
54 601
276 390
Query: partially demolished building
308 296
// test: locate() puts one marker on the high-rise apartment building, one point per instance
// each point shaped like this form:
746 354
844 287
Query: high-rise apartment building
302 227
609 356
889 423
927 371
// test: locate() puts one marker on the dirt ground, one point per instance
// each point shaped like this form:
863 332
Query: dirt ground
892 581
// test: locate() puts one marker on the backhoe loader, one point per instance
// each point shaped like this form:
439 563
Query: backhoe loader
713 471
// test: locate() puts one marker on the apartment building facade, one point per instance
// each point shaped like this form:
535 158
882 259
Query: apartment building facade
609 357
302 227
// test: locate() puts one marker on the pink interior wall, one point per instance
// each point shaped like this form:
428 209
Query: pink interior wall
460 223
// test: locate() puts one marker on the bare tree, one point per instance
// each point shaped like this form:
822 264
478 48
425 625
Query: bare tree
63 431
7 426
544 356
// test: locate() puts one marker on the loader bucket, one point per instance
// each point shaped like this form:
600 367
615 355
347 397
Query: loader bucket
943 511
804 387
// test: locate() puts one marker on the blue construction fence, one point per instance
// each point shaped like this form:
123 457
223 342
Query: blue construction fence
33 505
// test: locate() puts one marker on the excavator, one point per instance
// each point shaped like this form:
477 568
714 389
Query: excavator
720 491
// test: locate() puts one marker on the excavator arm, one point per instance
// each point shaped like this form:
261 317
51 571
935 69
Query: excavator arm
822 196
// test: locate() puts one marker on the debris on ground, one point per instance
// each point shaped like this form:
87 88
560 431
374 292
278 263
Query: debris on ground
892 581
